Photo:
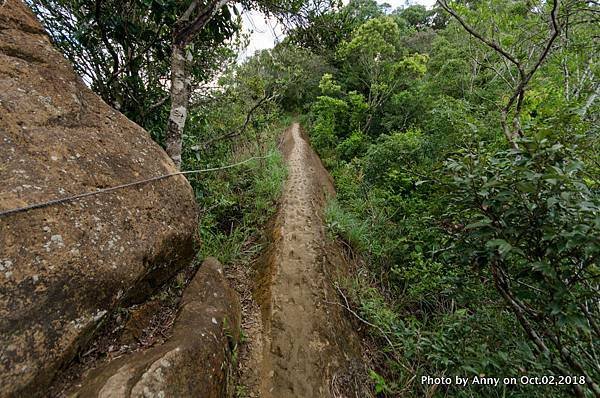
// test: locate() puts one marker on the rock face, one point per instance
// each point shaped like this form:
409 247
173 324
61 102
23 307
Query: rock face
63 267
195 362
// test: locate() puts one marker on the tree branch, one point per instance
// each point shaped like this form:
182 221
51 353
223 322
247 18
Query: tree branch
233 134
104 38
525 76
186 29
495 46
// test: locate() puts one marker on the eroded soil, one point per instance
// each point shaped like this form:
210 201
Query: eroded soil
302 345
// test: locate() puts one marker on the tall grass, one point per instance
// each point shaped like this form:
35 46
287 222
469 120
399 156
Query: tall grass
237 203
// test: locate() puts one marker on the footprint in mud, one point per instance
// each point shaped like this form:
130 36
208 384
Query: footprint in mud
276 350
298 366
276 322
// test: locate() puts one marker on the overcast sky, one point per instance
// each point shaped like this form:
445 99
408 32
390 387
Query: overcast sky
265 33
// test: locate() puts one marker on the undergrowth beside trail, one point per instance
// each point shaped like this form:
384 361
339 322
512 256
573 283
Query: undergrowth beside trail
475 243
428 317
424 242
235 204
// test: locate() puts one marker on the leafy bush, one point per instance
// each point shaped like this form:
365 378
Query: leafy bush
353 146
358 109
388 163
532 225
328 115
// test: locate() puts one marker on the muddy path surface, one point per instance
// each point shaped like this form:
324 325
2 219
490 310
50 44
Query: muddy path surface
303 345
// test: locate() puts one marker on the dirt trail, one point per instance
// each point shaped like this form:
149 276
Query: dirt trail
306 348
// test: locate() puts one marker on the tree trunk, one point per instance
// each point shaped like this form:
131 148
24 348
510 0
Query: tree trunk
185 29
180 96
590 101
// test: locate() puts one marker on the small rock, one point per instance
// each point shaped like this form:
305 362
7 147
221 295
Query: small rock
58 240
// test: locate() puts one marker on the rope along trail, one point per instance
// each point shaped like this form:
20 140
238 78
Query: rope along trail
127 185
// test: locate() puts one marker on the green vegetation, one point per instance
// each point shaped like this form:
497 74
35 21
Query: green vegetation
477 219
237 204
463 141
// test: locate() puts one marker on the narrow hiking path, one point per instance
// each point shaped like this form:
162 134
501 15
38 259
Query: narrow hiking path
305 347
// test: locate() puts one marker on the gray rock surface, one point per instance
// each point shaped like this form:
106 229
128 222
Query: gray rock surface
64 267
195 362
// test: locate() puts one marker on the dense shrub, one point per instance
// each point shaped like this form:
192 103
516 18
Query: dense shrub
532 226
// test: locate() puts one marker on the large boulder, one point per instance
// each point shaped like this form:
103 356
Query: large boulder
197 359
63 267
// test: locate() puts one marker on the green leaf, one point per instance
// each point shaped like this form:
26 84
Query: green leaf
501 245
481 223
